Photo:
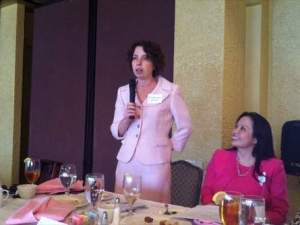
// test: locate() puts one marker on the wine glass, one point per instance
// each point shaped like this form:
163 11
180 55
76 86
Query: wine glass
67 176
132 187
94 187
32 170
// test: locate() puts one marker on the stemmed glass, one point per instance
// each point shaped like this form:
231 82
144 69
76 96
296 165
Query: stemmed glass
94 187
132 187
32 170
67 176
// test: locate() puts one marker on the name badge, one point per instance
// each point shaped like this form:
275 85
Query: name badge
154 98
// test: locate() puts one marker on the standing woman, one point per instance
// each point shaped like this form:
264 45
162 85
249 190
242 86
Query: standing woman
146 143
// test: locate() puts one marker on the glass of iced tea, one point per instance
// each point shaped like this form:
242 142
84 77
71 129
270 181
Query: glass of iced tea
229 208
32 170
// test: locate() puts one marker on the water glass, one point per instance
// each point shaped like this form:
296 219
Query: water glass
107 207
229 208
67 176
132 188
94 187
252 210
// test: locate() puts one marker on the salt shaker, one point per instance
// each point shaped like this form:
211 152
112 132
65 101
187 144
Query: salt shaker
116 214
104 219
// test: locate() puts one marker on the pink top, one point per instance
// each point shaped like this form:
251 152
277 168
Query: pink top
222 175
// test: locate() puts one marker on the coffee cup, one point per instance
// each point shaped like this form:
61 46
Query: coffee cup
4 194
26 191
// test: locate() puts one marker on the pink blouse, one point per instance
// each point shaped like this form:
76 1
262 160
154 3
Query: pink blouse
224 173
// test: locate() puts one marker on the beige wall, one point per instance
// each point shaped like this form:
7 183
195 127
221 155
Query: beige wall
11 59
284 95
264 57
252 57
198 69
233 100
257 57
209 66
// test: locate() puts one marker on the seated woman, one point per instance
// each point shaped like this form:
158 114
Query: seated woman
249 167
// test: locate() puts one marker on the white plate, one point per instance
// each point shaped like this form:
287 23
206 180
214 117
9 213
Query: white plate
139 219
106 196
77 200
202 212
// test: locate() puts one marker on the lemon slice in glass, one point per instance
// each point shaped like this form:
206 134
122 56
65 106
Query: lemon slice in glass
218 197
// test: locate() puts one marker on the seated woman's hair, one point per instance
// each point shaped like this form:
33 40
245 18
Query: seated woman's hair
154 53
262 131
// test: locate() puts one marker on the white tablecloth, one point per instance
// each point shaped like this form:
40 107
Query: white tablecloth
10 206
154 210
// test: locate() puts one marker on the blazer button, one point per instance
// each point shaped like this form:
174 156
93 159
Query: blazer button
138 126
136 135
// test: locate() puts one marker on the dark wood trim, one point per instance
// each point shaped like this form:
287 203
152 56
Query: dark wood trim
26 87
90 90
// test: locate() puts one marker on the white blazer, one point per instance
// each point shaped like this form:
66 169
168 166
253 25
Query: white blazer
148 136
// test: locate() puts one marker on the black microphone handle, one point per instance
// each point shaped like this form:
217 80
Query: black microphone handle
132 86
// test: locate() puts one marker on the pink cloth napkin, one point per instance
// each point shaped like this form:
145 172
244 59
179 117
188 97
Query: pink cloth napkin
54 186
39 207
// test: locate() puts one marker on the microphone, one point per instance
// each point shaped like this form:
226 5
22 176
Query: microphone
132 85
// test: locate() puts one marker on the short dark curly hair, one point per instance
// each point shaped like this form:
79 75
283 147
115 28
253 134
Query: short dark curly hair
154 53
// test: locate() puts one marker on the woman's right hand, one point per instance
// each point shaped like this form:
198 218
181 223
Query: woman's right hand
131 111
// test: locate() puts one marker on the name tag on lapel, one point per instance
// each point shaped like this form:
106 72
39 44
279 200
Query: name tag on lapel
154 99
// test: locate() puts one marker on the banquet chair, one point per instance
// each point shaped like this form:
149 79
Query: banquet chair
186 180
296 219
290 147
49 170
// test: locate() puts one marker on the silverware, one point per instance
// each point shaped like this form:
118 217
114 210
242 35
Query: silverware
134 208
167 212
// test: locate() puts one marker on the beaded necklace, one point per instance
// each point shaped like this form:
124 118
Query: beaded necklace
239 173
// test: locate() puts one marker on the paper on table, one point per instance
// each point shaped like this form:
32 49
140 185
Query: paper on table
201 212
46 221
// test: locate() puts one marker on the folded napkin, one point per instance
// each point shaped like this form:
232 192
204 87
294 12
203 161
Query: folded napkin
54 186
39 207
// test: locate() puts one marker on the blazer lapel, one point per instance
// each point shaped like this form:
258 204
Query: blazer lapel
162 90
